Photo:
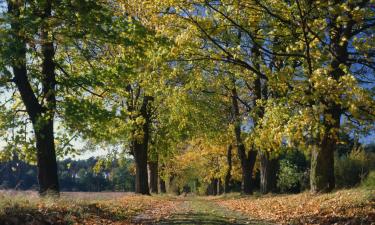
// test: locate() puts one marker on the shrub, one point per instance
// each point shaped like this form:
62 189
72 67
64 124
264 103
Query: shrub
297 158
353 168
293 175
289 177
369 181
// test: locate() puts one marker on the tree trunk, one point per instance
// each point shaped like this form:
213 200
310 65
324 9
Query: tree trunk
154 174
41 116
322 175
141 176
162 182
163 188
268 173
247 160
219 187
322 169
46 159
173 188
228 176
214 186
247 166
141 149
45 139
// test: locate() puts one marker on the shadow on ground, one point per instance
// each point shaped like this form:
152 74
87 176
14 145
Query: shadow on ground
198 219
197 211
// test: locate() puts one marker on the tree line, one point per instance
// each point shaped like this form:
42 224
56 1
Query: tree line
74 175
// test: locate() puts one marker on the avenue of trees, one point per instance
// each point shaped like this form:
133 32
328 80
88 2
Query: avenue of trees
210 95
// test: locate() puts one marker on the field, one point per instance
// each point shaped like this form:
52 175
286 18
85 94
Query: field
353 206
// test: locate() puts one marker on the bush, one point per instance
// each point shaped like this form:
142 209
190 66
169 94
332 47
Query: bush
369 181
293 175
297 158
289 177
353 168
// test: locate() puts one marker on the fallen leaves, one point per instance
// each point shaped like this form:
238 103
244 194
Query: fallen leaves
159 212
74 208
347 207
355 206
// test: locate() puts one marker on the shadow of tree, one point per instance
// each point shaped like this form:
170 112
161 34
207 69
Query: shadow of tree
19 215
198 219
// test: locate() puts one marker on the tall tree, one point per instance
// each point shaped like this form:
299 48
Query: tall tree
41 114
334 67
42 39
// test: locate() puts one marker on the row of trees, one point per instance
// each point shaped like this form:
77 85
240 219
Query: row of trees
205 168
74 175
156 77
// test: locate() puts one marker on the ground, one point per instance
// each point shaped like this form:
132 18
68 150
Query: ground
195 210
355 206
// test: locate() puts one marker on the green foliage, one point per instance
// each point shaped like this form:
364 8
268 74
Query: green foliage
289 70
85 34
369 181
289 177
353 168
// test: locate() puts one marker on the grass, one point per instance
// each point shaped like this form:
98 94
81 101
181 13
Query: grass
194 210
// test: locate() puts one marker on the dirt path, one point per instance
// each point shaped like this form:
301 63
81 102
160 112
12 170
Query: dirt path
192 211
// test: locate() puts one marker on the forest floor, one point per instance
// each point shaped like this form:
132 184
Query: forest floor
196 210
346 207
352 206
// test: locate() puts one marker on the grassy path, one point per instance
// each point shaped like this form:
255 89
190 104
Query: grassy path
193 211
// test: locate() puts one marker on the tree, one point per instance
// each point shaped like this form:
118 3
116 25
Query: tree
43 39
41 114
238 54
333 62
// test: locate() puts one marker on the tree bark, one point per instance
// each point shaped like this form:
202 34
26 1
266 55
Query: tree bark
46 159
247 160
162 182
228 176
214 186
154 174
322 175
268 173
247 166
41 116
141 149
141 175
45 137
163 188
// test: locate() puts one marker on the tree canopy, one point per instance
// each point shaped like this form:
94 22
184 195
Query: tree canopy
178 85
